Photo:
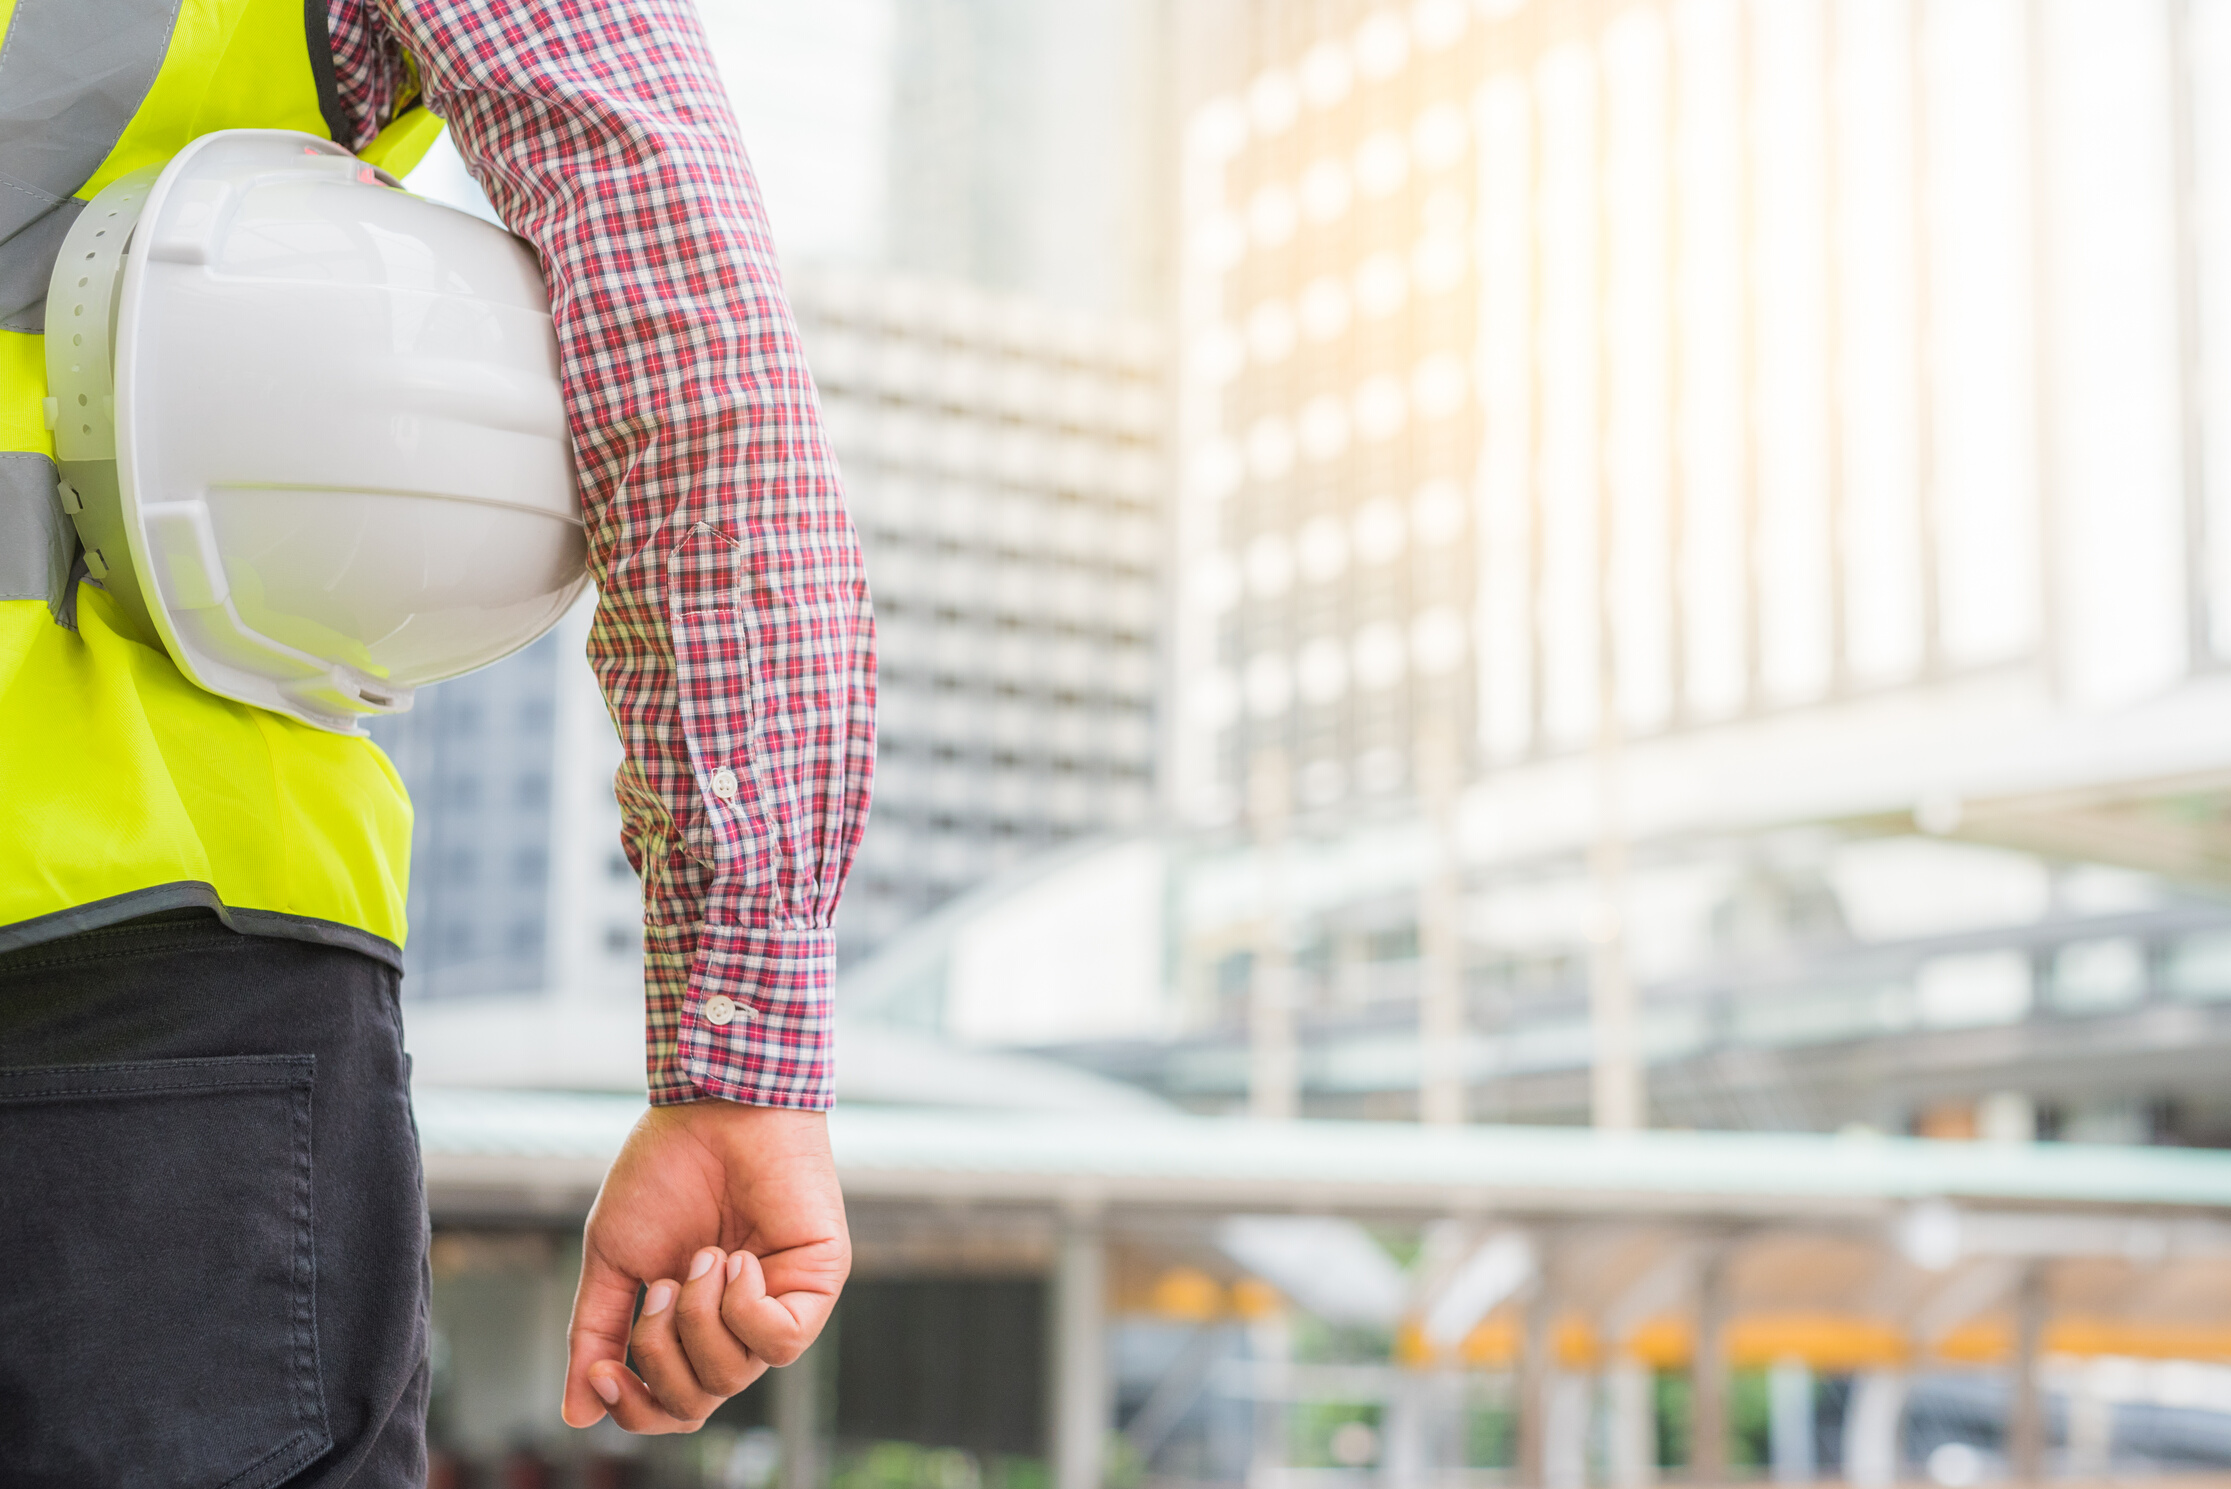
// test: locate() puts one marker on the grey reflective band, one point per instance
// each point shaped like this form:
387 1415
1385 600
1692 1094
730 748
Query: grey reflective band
193 894
37 543
72 74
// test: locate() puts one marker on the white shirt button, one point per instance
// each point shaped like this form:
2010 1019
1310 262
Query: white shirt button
720 1009
724 784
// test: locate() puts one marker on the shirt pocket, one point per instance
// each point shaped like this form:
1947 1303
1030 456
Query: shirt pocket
158 1299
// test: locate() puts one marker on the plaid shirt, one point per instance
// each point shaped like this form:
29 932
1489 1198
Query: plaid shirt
733 636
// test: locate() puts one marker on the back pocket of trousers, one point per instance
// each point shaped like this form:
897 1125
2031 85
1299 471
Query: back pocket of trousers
157 1293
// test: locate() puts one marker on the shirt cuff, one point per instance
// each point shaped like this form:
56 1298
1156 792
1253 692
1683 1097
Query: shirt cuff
739 1013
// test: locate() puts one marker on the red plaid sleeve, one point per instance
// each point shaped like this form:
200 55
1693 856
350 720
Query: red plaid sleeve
733 636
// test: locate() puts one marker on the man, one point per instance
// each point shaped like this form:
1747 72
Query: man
214 1220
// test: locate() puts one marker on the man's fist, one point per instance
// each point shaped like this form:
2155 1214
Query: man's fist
731 1216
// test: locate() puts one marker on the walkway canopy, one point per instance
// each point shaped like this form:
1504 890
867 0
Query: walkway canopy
1842 1250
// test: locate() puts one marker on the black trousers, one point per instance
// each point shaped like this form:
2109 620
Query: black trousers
212 1217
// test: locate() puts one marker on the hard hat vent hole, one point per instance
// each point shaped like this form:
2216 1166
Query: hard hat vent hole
82 283
81 400
85 429
78 340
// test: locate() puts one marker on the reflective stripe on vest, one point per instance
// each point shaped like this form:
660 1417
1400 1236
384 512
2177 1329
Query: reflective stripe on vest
72 75
124 789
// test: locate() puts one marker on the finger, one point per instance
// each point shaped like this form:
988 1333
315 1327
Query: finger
717 1357
603 1307
776 1328
657 1350
632 1405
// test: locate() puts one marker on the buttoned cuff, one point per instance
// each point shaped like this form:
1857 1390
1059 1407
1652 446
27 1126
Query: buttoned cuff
751 1021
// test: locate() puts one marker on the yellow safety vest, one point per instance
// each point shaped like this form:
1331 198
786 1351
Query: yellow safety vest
124 789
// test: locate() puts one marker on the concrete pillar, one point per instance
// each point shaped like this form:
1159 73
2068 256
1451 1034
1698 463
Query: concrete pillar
1273 1055
502 1307
1872 1425
1618 1100
1441 1073
1082 1407
1405 1453
1630 1401
1565 1431
1708 1378
2091 1430
1535 1369
1789 1422
2025 1416
797 1413
1270 1343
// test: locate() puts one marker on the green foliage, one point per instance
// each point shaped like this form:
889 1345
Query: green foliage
906 1465
1316 1342
1402 1242
1019 1473
1490 1437
1125 1469
1747 1418
1311 1424
1748 1412
1673 1395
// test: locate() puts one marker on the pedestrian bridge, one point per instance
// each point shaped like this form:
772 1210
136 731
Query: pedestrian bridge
1543 1274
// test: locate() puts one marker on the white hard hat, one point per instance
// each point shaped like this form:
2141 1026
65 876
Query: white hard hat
310 426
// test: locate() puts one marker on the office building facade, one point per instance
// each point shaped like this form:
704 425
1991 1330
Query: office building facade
1559 372
518 884
1003 463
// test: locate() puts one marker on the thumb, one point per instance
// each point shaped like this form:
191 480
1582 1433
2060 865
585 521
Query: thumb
603 1312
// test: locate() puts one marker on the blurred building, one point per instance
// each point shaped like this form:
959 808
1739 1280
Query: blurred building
518 884
1815 980
1003 461
1026 149
1326 415
1682 575
1014 146
476 754
999 401
1004 465
812 90
1717 362
1767 455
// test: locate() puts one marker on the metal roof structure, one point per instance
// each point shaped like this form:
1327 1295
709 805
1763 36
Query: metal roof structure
550 1148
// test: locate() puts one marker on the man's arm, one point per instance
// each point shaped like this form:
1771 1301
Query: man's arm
733 637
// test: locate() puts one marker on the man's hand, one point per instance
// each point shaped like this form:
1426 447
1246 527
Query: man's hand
731 1215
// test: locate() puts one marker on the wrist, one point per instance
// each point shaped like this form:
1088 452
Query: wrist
767 1131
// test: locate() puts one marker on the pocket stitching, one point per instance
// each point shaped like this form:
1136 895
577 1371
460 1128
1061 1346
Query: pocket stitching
298 1063
309 1379
27 1083
77 1091
316 1441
